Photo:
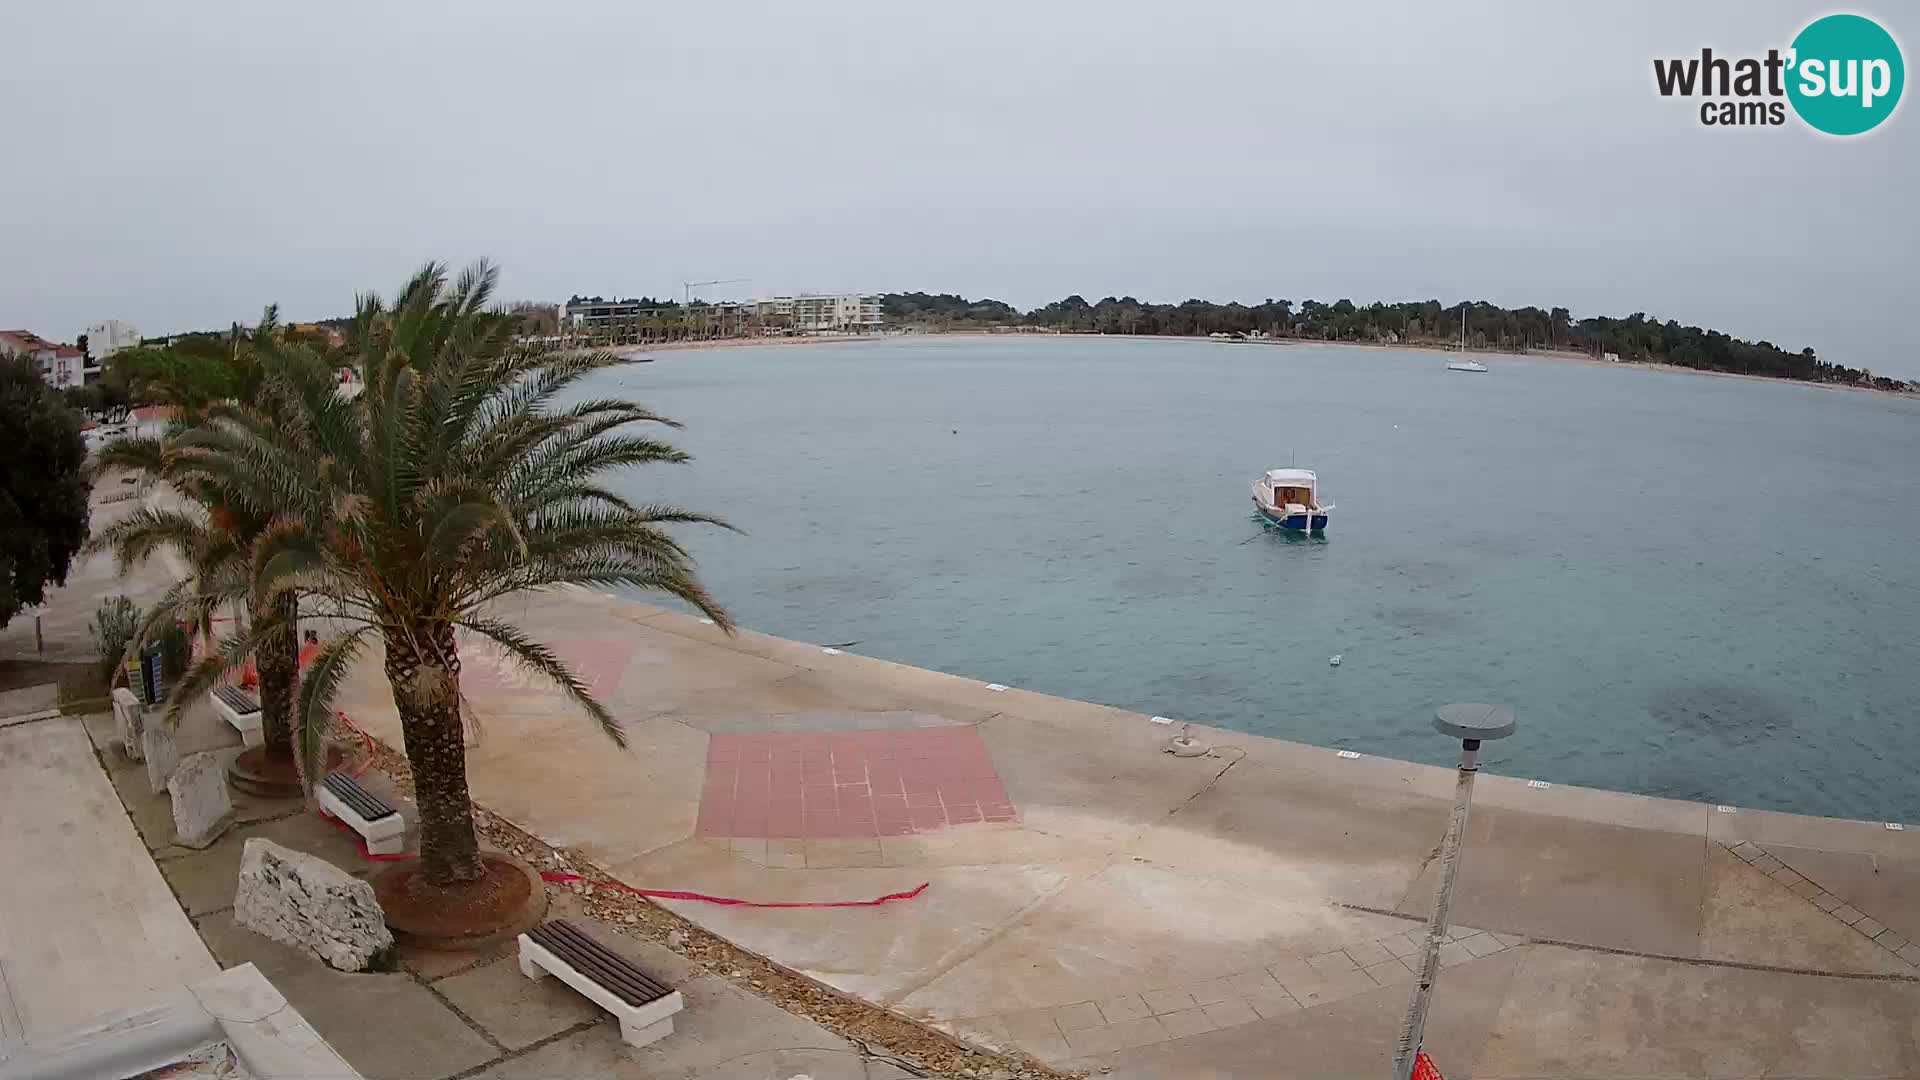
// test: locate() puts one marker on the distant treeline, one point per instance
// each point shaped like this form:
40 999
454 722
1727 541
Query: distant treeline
1488 326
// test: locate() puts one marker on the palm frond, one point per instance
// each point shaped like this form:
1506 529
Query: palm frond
318 685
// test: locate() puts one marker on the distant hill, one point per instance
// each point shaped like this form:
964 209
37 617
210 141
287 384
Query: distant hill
1488 326
918 308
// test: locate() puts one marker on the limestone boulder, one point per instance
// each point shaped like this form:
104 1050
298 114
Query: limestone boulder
309 903
160 752
202 810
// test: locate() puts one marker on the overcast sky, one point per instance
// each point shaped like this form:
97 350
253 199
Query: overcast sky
179 165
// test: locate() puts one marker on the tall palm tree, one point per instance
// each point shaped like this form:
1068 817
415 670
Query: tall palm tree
218 536
455 479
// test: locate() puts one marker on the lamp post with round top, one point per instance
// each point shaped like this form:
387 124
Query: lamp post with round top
1472 724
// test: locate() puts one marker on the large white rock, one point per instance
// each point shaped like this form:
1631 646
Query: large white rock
162 754
202 809
128 718
309 903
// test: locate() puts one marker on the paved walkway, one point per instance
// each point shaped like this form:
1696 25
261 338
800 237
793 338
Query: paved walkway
1099 903
87 925
459 1014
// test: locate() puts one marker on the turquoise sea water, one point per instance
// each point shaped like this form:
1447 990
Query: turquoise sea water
1698 587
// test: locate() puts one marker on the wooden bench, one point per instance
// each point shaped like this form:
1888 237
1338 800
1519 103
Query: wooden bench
241 709
384 830
645 1008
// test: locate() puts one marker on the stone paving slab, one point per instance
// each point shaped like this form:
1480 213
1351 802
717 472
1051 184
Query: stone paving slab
1351 1036
1572 1013
387 1026
1751 918
722 1034
1572 880
515 1010
1883 887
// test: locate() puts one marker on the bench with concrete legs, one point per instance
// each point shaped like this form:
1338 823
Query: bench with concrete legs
645 1008
241 709
380 825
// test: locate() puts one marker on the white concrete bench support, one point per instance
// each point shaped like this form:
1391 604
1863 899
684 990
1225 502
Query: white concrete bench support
385 832
644 1008
246 722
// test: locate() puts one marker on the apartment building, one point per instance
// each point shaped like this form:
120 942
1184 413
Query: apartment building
61 366
823 312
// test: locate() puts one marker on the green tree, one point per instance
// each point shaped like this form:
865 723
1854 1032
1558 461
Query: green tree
453 480
43 487
219 533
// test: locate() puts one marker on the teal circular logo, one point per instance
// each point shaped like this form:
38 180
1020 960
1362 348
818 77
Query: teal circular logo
1846 74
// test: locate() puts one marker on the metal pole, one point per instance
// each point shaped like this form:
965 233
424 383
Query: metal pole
1415 1028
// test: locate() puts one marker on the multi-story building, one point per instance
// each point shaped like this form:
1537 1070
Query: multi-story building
109 337
61 366
594 321
815 312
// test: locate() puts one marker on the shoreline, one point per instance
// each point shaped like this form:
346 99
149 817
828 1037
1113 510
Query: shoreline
740 343
1552 356
1560 356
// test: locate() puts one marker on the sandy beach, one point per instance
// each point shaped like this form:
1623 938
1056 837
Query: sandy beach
741 343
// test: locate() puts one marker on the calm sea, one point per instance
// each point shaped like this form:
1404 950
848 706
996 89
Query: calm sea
1698 587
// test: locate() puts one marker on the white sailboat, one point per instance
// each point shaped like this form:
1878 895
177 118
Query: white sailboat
1464 364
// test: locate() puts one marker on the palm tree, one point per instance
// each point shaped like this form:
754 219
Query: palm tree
218 535
455 479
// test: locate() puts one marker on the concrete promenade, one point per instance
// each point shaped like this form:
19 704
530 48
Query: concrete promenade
87 924
1101 904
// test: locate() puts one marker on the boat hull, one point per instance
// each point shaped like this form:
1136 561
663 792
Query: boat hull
1296 522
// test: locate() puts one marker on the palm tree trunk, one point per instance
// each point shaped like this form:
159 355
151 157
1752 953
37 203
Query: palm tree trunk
278 666
423 669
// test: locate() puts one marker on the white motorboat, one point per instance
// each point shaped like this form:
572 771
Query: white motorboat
1290 499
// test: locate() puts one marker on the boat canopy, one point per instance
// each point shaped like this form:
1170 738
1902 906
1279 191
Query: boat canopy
1291 478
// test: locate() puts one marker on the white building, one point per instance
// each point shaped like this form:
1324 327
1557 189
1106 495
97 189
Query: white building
61 366
106 338
812 312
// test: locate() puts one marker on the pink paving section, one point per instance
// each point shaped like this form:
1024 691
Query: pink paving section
849 784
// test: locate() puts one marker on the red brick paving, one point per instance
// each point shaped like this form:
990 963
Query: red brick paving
850 784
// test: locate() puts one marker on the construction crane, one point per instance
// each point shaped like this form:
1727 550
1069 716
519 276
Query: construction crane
687 287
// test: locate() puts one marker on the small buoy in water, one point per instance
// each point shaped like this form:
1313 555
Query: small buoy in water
1334 660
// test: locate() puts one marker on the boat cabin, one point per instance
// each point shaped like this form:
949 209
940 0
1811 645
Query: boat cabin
1295 487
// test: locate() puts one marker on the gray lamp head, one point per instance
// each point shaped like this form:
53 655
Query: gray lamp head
1474 721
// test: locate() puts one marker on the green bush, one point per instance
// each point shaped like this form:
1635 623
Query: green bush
114 624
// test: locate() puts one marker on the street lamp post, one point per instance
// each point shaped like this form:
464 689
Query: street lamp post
1472 724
